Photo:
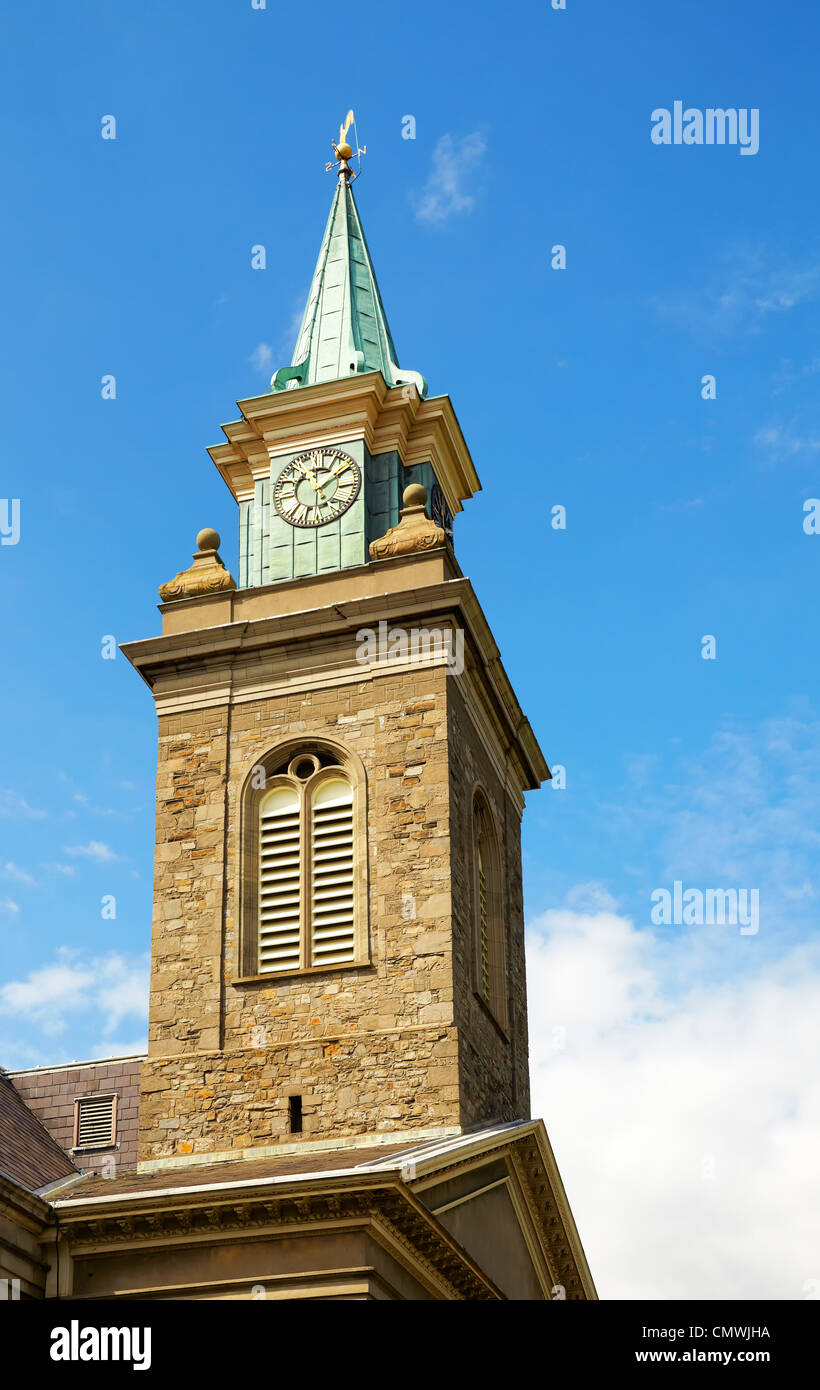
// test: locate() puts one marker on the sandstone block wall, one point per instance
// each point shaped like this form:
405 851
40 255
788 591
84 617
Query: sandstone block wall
369 1048
493 1062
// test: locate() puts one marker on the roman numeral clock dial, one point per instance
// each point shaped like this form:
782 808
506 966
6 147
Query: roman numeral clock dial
317 487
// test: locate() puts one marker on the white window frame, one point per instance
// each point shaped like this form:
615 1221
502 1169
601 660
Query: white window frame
343 765
91 1097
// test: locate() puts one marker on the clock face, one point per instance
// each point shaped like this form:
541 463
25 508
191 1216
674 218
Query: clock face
317 487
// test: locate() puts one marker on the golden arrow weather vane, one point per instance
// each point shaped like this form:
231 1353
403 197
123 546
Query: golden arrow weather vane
346 152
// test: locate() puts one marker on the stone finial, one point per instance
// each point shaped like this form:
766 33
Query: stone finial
207 540
207 575
414 532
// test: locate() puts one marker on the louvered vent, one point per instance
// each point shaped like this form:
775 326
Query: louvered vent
331 902
484 934
95 1122
279 880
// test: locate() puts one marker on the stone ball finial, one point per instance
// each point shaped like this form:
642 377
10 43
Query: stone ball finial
414 496
208 539
206 575
415 532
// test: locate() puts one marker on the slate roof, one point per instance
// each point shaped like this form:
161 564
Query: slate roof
372 1159
28 1153
193 1176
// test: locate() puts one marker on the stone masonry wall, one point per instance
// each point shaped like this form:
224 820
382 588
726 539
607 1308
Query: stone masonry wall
368 1048
493 1068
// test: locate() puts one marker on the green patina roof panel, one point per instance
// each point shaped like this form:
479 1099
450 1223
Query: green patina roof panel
344 328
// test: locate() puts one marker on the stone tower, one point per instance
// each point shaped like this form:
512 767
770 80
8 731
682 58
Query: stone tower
338 942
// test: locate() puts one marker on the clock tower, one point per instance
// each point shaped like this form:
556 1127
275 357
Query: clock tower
335 1099
338 944
313 510
338 940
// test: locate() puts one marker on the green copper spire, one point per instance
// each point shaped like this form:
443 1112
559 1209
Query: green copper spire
344 329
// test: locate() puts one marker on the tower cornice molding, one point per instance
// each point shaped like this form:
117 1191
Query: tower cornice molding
324 1204
359 407
218 664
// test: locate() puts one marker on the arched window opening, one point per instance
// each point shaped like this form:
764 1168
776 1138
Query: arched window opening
483 920
490 946
331 897
280 896
304 864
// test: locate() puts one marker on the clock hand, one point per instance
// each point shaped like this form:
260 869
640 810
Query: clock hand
316 487
309 474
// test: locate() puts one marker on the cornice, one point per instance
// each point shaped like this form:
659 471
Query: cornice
215 665
387 418
541 1181
376 1201
19 1204
533 1164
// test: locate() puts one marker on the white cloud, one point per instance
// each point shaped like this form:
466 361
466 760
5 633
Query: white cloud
749 811
106 1048
110 987
95 849
261 357
743 812
691 504
122 990
590 897
14 807
290 334
449 187
786 374
663 1055
12 908
780 439
67 869
11 870
17 1054
684 1125
48 994
744 289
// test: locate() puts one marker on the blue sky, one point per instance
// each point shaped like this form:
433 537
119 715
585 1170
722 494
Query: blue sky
579 387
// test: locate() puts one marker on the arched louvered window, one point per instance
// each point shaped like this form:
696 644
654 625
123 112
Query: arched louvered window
331 867
304 898
280 880
483 918
490 949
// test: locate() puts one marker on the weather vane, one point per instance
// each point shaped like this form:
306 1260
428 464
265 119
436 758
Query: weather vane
346 152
